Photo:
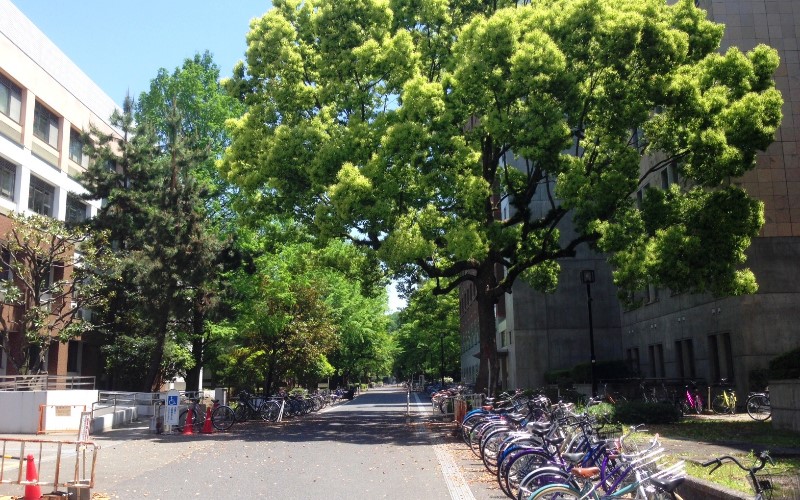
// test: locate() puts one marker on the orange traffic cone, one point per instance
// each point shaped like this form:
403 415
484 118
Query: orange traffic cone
32 491
207 428
187 426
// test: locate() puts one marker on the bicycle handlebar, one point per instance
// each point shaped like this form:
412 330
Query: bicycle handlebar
763 458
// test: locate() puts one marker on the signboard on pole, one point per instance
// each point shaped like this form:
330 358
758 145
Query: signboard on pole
173 398
85 426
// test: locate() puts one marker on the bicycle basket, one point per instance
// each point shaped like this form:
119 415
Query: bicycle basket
779 486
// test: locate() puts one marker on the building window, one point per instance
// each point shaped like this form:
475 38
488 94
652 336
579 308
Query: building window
76 210
75 147
10 99
656 353
719 348
664 179
40 197
45 125
640 195
632 358
73 356
684 355
5 265
8 178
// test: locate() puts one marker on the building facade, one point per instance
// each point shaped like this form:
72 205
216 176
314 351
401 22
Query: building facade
700 337
46 101
690 337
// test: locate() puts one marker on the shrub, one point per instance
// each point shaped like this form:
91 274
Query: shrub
605 370
558 376
785 366
759 379
604 412
638 412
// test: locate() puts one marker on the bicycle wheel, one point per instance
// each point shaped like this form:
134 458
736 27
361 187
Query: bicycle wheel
270 410
555 492
197 424
240 412
520 466
719 405
758 407
491 446
698 405
222 418
541 477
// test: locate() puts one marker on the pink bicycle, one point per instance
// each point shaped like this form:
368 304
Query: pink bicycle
693 401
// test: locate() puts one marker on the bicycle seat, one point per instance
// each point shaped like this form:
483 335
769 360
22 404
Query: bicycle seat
538 428
585 472
573 458
668 485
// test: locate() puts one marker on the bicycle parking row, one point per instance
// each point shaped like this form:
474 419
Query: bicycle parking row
200 418
535 449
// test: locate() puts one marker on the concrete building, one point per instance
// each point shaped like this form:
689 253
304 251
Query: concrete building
698 337
679 336
45 102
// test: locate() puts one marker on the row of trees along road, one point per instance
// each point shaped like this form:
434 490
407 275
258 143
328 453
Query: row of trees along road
394 125
199 280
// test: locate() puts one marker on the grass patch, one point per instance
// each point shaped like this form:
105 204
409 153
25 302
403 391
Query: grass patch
784 475
760 435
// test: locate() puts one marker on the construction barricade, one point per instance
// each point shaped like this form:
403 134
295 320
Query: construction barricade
43 465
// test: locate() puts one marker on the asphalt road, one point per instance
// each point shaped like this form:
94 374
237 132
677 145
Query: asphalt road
366 448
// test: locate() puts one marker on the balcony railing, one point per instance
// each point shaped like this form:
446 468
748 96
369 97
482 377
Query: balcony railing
45 382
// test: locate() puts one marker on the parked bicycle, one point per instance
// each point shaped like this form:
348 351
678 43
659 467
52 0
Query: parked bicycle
222 416
724 403
762 488
248 407
758 406
692 402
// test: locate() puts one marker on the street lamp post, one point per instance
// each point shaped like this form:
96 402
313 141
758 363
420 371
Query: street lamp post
441 366
587 277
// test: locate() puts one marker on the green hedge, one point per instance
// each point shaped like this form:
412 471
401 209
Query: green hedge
605 370
582 373
785 366
638 412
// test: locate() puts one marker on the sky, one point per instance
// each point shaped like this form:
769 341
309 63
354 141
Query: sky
122 45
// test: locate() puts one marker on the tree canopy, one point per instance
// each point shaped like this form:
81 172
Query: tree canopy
407 127
161 207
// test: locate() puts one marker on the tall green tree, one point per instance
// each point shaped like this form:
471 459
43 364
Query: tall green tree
164 208
407 126
193 92
155 216
427 335
284 326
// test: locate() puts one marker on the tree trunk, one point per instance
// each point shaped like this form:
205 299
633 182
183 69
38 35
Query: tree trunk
157 356
489 369
268 379
193 381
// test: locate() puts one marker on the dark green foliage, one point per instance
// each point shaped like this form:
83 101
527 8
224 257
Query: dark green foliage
785 366
605 370
637 412
759 379
558 376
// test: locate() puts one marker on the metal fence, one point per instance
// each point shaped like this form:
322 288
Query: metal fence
54 464
45 382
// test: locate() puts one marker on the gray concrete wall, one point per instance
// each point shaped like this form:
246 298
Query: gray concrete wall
784 396
551 331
